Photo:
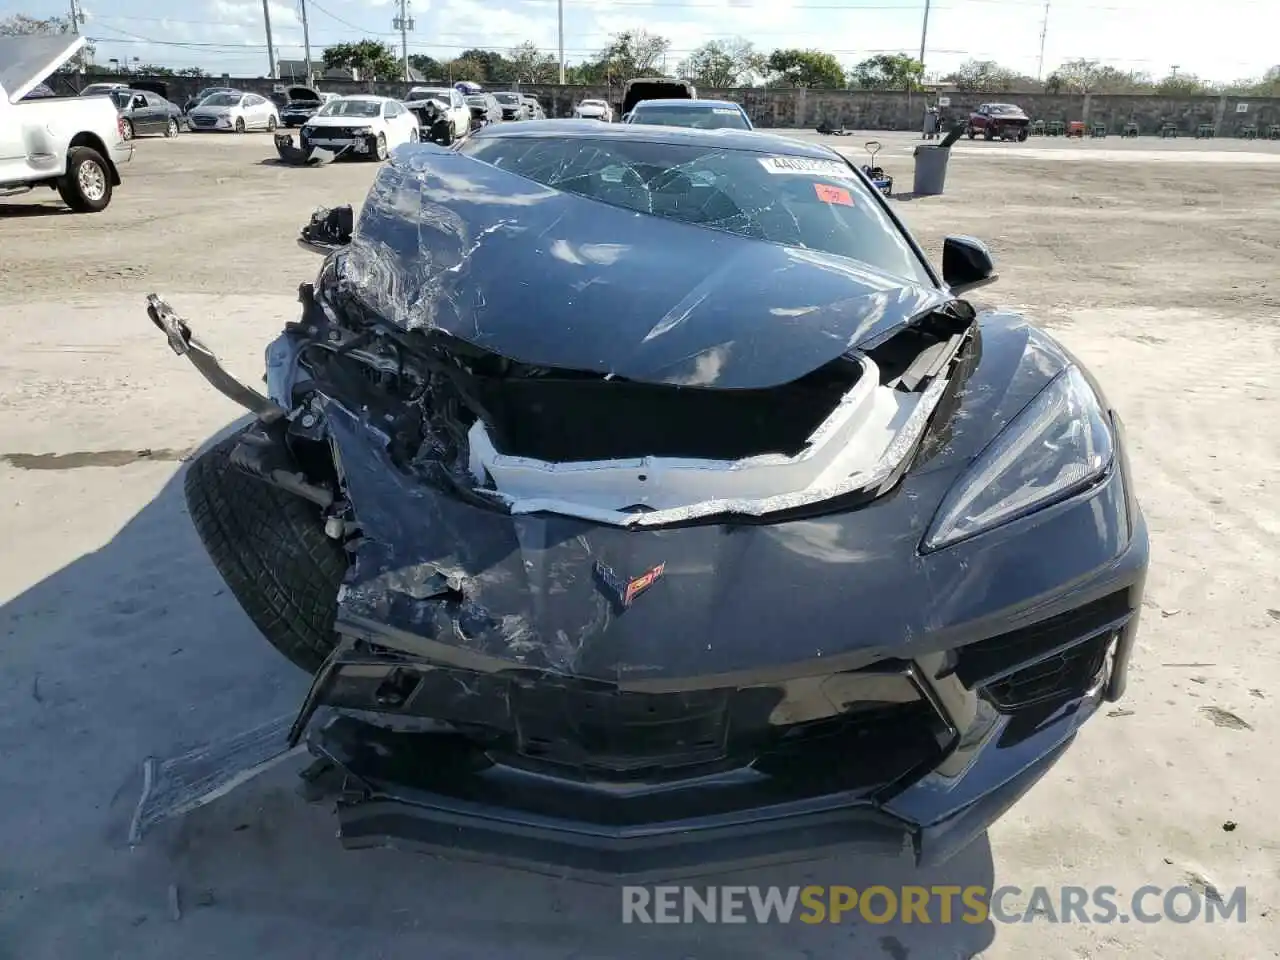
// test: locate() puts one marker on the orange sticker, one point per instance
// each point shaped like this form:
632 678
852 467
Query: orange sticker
829 194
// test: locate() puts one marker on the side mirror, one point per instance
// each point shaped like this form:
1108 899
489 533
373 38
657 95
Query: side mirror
967 264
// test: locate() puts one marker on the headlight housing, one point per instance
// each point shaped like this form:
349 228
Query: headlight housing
1058 445
362 131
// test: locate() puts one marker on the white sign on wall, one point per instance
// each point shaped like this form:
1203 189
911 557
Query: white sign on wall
944 101
1242 108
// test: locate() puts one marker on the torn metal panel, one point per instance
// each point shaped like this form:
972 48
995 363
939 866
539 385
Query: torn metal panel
311 157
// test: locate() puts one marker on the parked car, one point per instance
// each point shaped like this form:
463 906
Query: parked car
639 639
443 113
485 109
533 107
594 110
74 145
142 112
513 105
366 125
235 111
655 88
302 104
700 114
98 89
203 94
1002 120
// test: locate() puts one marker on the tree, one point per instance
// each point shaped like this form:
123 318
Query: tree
887 71
724 63
1182 85
804 68
630 54
460 69
987 76
493 67
191 72
369 58
528 64
153 70
1089 76
429 67
20 25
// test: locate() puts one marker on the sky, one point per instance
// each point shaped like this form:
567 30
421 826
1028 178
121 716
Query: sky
1223 41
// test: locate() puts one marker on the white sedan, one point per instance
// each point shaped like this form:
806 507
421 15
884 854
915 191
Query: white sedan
364 124
594 110
234 111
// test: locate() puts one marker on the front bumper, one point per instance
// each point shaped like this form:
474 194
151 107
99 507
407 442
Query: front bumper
1000 698
121 152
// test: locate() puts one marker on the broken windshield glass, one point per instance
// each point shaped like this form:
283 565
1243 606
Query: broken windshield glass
806 202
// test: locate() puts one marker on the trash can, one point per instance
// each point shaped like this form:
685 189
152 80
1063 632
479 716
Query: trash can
931 170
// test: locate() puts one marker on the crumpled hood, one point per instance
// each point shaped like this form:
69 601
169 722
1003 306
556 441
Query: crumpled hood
26 61
553 279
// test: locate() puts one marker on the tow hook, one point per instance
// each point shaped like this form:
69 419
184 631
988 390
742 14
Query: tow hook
203 359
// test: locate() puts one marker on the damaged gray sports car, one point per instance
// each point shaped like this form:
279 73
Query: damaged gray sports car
644 502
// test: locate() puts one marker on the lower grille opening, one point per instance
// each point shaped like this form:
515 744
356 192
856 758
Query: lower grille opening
1063 676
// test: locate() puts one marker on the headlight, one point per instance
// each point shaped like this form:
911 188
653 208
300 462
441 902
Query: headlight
1058 445
362 131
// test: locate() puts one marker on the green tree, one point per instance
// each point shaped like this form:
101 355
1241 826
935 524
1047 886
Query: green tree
153 70
1089 76
887 71
804 68
429 67
528 64
1182 85
369 58
630 54
987 76
724 63
191 72
491 65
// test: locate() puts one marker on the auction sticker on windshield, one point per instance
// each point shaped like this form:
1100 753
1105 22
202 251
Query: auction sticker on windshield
807 165
828 193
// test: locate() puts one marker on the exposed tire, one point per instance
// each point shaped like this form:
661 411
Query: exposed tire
271 550
172 129
1022 135
988 134
444 133
271 124
380 147
126 129
413 135
972 133
86 186
239 124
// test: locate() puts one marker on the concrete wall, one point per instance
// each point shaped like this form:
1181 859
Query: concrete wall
856 109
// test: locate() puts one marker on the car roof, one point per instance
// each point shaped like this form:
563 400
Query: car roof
364 96
685 102
730 139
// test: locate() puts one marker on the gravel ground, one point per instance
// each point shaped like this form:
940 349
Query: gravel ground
1154 261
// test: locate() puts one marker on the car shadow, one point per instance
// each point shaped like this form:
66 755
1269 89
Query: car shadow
135 650
32 210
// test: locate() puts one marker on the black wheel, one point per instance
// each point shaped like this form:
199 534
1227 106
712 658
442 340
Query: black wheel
444 133
380 147
1022 135
972 133
988 134
239 124
86 186
126 129
413 135
171 128
271 124
270 548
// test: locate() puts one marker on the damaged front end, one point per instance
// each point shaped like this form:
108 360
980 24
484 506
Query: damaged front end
304 154
660 608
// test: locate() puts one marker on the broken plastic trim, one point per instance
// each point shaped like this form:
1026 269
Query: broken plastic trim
884 469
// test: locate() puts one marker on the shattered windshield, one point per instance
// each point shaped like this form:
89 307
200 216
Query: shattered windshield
350 108
806 202
702 118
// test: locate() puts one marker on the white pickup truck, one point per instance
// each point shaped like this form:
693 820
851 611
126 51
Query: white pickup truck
73 144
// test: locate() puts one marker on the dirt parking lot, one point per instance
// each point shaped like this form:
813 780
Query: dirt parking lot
1155 262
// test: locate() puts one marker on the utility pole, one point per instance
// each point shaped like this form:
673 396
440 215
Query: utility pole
404 23
271 49
77 18
1044 32
560 30
306 45
924 36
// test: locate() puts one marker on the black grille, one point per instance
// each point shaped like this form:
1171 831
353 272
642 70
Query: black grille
1053 659
1060 677
203 121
